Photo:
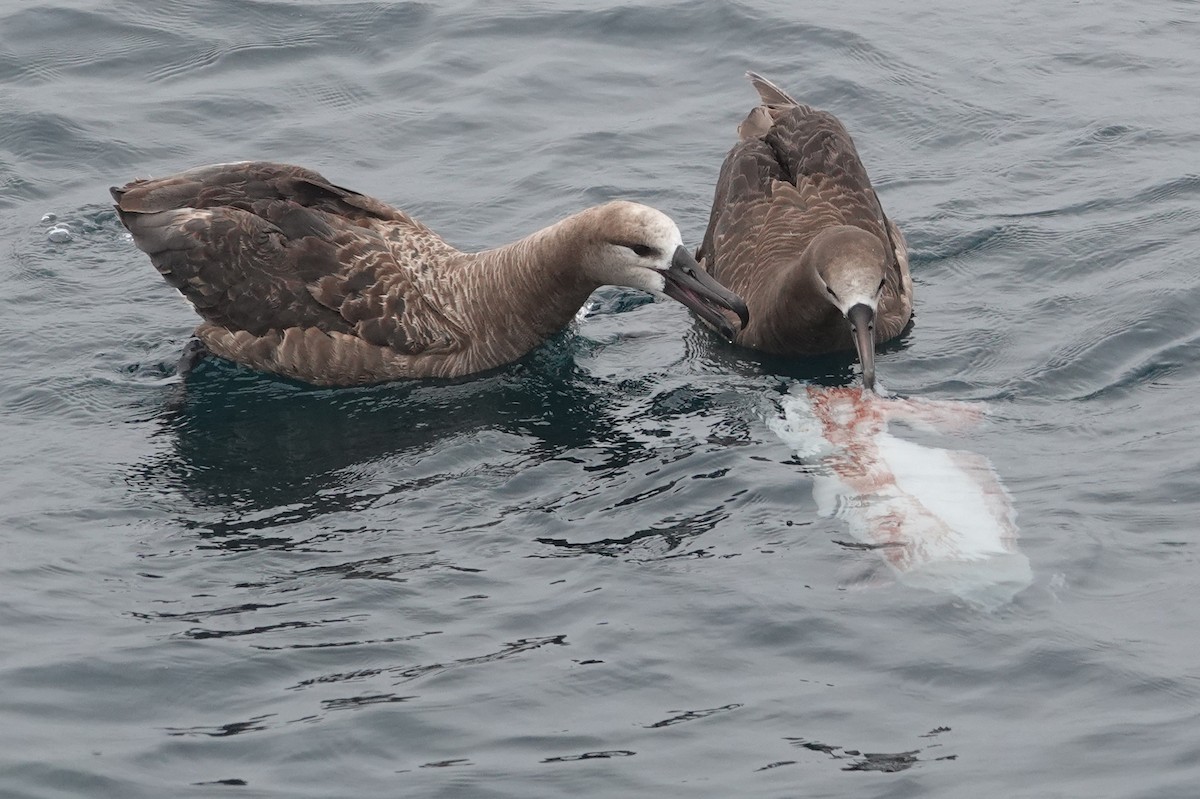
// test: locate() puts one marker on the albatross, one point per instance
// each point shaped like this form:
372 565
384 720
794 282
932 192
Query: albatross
798 232
301 278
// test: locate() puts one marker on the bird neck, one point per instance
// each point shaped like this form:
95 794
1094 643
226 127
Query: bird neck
802 311
531 288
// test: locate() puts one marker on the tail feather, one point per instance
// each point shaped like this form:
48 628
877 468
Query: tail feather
768 92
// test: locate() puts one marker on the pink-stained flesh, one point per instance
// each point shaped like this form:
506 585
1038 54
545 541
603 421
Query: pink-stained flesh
939 517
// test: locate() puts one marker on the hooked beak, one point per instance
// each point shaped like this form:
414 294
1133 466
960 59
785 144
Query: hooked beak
686 282
862 326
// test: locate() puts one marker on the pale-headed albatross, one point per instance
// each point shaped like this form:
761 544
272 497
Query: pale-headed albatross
301 278
797 231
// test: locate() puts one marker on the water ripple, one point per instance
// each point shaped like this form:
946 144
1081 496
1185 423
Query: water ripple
523 580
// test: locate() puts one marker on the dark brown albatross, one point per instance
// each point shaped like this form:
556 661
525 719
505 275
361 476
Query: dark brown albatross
798 232
296 276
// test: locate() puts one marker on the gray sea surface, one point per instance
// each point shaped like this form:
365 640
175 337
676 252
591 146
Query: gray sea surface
600 571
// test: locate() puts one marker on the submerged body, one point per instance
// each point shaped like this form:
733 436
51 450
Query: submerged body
940 518
301 278
797 230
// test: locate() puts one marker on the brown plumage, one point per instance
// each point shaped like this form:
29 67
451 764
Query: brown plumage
296 276
797 230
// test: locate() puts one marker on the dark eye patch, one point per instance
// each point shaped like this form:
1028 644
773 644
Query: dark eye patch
640 250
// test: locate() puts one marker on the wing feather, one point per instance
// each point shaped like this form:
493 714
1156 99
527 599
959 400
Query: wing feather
258 247
794 177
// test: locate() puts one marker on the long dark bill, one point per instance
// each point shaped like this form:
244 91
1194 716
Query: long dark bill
862 326
699 291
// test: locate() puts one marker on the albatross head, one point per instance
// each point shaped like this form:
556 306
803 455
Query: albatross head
850 264
641 247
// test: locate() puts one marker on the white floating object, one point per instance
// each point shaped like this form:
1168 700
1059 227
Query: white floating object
59 234
940 518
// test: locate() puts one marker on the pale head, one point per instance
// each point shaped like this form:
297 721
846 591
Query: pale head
850 265
629 243
634 245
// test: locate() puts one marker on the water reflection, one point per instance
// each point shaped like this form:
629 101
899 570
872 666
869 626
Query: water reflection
829 369
886 762
249 442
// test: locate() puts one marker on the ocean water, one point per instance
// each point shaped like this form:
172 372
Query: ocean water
601 571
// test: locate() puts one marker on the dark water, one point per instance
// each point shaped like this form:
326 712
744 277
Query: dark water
598 572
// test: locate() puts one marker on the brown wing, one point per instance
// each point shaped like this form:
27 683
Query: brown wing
259 246
795 172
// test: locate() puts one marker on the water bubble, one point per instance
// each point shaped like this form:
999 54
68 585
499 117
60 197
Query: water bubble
48 218
59 235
